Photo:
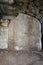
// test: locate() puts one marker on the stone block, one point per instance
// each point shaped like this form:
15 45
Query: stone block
27 33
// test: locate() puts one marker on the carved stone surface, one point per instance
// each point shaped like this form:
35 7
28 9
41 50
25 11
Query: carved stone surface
27 33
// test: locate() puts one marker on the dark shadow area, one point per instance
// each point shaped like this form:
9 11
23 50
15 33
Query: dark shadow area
42 41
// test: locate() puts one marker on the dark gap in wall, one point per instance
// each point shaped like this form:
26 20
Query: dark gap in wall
42 41
42 34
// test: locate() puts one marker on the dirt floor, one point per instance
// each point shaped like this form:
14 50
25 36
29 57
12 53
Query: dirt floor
21 58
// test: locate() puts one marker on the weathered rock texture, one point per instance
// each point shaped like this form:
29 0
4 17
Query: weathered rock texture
10 36
27 33
3 37
23 33
7 1
14 58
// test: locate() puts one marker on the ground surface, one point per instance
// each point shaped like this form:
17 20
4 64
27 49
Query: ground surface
21 58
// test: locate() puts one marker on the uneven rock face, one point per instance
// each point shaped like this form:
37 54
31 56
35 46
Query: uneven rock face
8 1
4 23
18 58
6 32
38 63
10 36
3 37
22 0
23 33
27 33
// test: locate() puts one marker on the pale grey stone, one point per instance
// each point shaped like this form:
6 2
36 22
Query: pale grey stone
27 33
3 37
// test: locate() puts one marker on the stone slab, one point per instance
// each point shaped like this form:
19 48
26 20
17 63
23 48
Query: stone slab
27 33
